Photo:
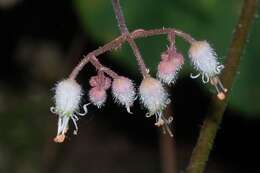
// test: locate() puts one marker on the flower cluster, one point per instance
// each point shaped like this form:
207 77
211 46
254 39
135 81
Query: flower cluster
151 91
68 94
203 58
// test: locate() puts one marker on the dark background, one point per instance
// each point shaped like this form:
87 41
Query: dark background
41 42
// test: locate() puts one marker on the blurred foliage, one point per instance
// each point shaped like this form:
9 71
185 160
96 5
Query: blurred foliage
24 129
204 19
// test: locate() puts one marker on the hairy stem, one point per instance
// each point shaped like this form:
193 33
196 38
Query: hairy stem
117 42
94 61
119 17
124 31
139 59
210 126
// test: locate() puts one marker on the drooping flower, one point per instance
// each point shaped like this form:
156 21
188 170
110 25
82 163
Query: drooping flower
204 59
154 98
171 62
123 91
97 96
67 99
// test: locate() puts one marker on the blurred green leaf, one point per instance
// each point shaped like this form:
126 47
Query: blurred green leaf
204 19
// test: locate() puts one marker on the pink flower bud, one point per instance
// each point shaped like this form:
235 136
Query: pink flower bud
123 92
97 96
100 81
171 62
107 83
93 81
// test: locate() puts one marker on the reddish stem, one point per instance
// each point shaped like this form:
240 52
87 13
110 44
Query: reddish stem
124 31
94 61
117 42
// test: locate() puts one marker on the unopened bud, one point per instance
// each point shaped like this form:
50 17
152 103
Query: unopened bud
123 91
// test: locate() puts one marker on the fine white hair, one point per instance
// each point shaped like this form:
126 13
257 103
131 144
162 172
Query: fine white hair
67 96
153 95
204 58
124 92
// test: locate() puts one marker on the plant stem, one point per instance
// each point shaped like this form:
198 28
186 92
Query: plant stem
124 31
94 61
119 17
117 42
211 124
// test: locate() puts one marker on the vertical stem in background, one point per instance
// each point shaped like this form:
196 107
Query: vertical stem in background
168 154
210 126
124 31
167 149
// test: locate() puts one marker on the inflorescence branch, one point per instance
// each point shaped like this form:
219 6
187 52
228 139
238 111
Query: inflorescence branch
151 91
95 62
117 42
124 31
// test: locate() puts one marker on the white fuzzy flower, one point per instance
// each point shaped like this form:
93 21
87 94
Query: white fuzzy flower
67 99
154 98
124 92
204 58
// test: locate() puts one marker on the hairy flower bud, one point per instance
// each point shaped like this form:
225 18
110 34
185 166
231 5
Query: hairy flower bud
154 98
67 99
97 96
204 58
124 92
101 81
107 83
93 81
171 62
